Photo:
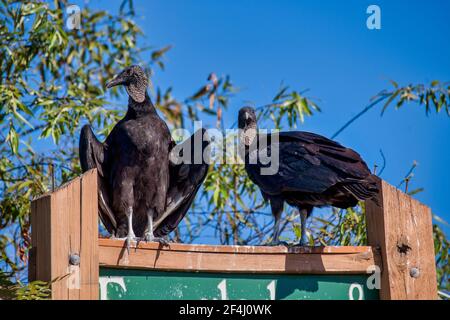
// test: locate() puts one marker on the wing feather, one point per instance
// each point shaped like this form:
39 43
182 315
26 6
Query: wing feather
93 155
310 163
185 181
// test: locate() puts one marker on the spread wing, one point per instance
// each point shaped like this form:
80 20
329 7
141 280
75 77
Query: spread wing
93 155
311 163
185 181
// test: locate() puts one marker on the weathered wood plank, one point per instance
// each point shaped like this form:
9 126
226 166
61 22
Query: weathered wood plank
59 228
248 259
41 237
89 237
401 228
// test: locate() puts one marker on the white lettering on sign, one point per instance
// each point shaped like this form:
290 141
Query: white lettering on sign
104 281
222 286
271 288
360 291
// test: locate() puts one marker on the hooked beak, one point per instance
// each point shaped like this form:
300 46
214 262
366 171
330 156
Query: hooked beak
117 80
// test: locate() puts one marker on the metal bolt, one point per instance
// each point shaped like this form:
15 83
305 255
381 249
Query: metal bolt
74 259
414 272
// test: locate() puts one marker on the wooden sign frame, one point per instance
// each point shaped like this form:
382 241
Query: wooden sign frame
67 251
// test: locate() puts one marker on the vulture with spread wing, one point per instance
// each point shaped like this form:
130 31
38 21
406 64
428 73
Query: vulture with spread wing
312 171
141 193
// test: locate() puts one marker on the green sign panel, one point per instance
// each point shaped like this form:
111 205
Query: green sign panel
127 284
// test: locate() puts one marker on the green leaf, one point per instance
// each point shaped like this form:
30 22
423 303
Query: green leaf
391 98
415 191
395 84
280 94
159 53
13 140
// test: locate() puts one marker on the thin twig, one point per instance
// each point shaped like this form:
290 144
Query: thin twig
361 113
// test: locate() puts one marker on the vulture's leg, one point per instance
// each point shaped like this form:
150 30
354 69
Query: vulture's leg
149 236
123 200
304 213
130 235
149 232
276 205
276 230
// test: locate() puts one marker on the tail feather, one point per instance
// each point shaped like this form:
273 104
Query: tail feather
363 189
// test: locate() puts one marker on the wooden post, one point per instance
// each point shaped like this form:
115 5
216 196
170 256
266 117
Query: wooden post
64 232
401 228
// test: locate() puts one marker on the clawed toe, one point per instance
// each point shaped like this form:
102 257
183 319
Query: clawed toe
162 241
150 238
128 240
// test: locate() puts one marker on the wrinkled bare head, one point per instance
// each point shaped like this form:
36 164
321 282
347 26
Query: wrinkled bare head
135 81
247 124
247 118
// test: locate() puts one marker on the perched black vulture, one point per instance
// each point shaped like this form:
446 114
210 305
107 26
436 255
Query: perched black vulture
313 171
133 163
134 169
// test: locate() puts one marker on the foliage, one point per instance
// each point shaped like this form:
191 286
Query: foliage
36 290
342 227
292 106
436 95
441 248
51 81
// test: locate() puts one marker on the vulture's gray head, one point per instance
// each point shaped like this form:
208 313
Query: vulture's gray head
247 124
135 81
247 118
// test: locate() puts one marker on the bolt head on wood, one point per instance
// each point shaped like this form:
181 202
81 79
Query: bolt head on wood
74 259
414 272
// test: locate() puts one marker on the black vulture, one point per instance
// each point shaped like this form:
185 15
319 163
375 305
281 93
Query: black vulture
313 171
134 168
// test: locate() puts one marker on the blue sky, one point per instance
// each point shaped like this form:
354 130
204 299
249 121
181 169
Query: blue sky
326 47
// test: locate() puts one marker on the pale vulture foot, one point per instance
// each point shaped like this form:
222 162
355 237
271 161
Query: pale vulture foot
149 237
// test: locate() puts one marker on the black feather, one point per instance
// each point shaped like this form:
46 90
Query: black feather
185 181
